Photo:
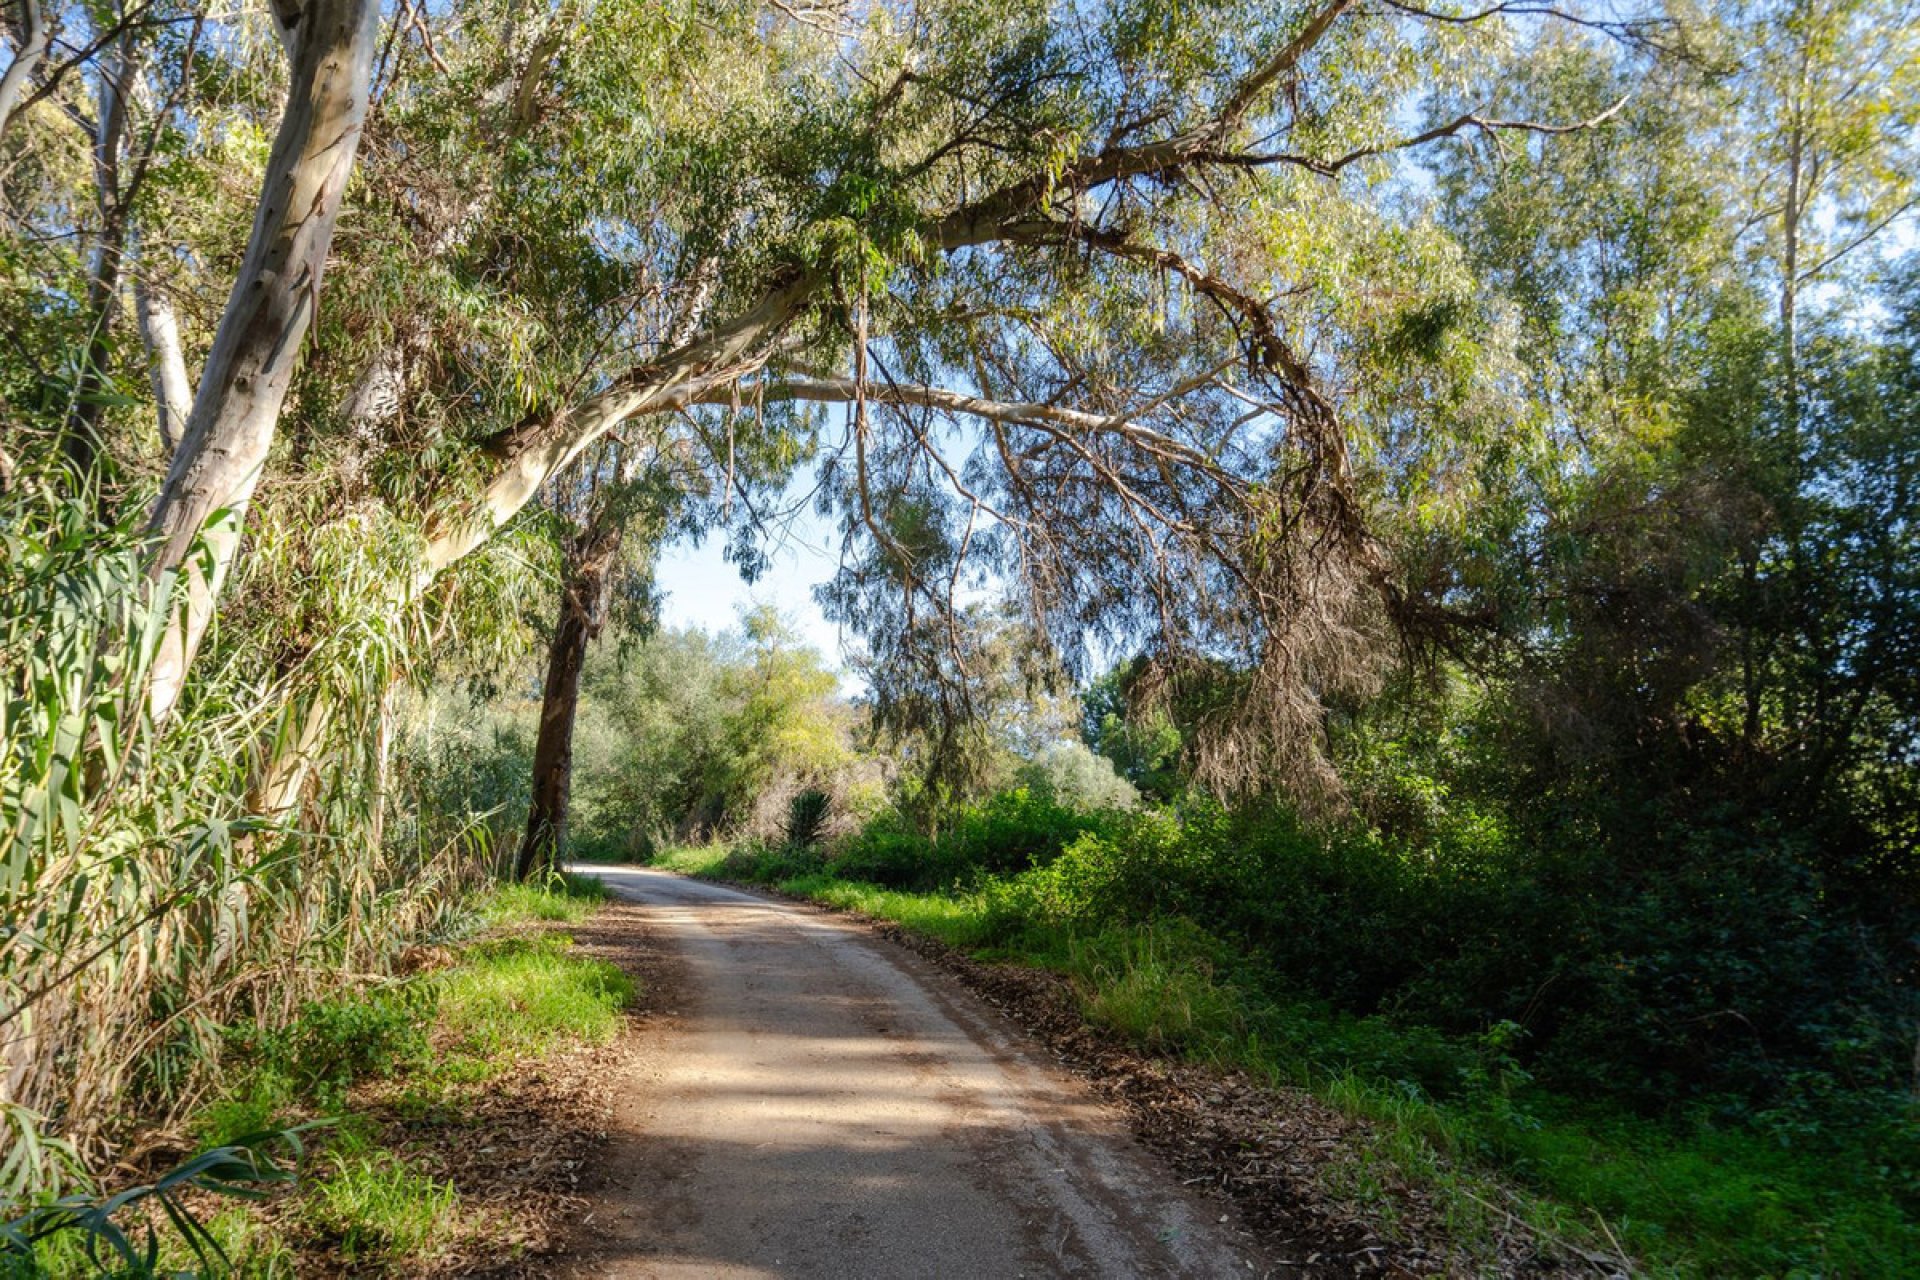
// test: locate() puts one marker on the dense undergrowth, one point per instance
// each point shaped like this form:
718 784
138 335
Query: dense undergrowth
342 1072
1433 993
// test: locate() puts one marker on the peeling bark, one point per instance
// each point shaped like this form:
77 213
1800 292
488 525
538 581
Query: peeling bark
244 385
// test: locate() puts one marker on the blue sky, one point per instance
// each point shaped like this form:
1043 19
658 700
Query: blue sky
700 588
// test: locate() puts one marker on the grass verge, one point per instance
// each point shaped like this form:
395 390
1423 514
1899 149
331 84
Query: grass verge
390 1076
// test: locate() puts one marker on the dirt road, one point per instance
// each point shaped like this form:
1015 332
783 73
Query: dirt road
825 1104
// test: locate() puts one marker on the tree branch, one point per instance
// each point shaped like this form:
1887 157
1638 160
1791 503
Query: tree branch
538 449
1452 128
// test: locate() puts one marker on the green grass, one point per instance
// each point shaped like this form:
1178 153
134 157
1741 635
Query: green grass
1458 1119
566 898
254 1251
509 996
1160 992
379 1209
694 860
514 998
955 921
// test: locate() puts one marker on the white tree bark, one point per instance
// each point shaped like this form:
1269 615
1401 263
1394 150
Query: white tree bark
166 360
35 33
675 380
244 385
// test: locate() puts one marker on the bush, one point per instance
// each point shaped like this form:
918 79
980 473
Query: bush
332 1043
1010 832
1713 968
886 851
262 1099
759 862
1069 774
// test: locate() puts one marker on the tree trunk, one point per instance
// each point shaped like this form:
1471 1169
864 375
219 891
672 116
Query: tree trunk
1790 275
244 384
34 35
81 441
583 609
166 361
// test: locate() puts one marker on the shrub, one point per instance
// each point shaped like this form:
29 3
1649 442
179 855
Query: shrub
887 852
1069 774
331 1043
1008 833
259 1101
1015 830
807 816
1708 966
758 862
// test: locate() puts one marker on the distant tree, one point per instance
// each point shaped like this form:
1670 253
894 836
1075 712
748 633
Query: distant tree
1146 753
1069 774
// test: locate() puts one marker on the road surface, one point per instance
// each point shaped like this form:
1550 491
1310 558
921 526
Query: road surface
824 1103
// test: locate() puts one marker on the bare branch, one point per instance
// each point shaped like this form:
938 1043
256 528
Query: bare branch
1452 128
1858 240
1635 31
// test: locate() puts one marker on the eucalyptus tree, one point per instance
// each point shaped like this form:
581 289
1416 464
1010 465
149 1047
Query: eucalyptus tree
1110 258
1829 108
132 868
30 32
276 292
986 258
971 254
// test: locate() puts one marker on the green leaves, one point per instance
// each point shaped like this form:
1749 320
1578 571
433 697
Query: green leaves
243 1169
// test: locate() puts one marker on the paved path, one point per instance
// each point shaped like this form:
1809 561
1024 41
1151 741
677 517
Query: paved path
827 1104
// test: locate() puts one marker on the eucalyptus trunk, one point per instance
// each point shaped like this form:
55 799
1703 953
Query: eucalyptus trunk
583 610
166 361
330 44
34 35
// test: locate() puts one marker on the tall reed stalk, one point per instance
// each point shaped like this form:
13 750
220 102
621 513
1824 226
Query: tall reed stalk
143 909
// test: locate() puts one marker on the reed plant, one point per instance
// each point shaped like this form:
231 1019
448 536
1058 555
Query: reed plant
151 898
